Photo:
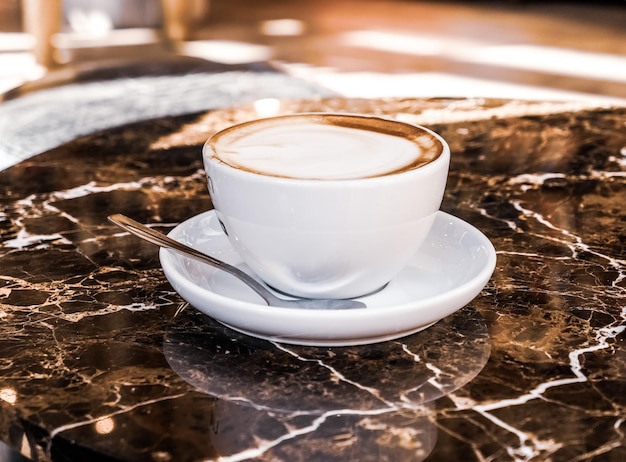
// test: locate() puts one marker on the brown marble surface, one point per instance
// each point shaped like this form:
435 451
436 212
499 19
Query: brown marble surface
101 360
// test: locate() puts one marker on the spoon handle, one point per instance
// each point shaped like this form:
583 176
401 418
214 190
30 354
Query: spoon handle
162 240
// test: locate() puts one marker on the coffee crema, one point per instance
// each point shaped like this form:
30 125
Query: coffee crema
323 147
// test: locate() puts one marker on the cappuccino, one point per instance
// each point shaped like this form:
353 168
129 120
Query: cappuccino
310 146
326 205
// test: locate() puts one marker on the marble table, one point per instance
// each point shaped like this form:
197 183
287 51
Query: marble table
101 360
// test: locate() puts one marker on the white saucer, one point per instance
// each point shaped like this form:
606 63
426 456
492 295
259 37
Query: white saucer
452 267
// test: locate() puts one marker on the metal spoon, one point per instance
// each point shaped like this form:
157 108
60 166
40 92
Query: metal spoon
162 240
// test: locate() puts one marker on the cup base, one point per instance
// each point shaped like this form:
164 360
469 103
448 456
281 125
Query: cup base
286 294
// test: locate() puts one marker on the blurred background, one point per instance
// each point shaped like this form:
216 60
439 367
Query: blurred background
368 48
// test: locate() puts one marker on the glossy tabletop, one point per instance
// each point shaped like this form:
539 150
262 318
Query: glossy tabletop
100 359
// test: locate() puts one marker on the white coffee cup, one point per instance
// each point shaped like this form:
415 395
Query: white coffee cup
326 205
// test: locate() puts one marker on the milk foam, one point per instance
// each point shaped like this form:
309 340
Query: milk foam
318 151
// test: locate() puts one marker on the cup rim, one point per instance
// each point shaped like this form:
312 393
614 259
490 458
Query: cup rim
341 118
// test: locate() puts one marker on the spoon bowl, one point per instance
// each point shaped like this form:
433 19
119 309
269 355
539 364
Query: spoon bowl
162 240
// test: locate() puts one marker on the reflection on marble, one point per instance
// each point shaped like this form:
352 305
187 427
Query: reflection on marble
362 392
88 322
241 433
375 400
288 378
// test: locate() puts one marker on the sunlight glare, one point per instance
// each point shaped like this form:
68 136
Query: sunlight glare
601 66
282 27
267 107
227 51
394 42
95 23
8 395
105 426
554 60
